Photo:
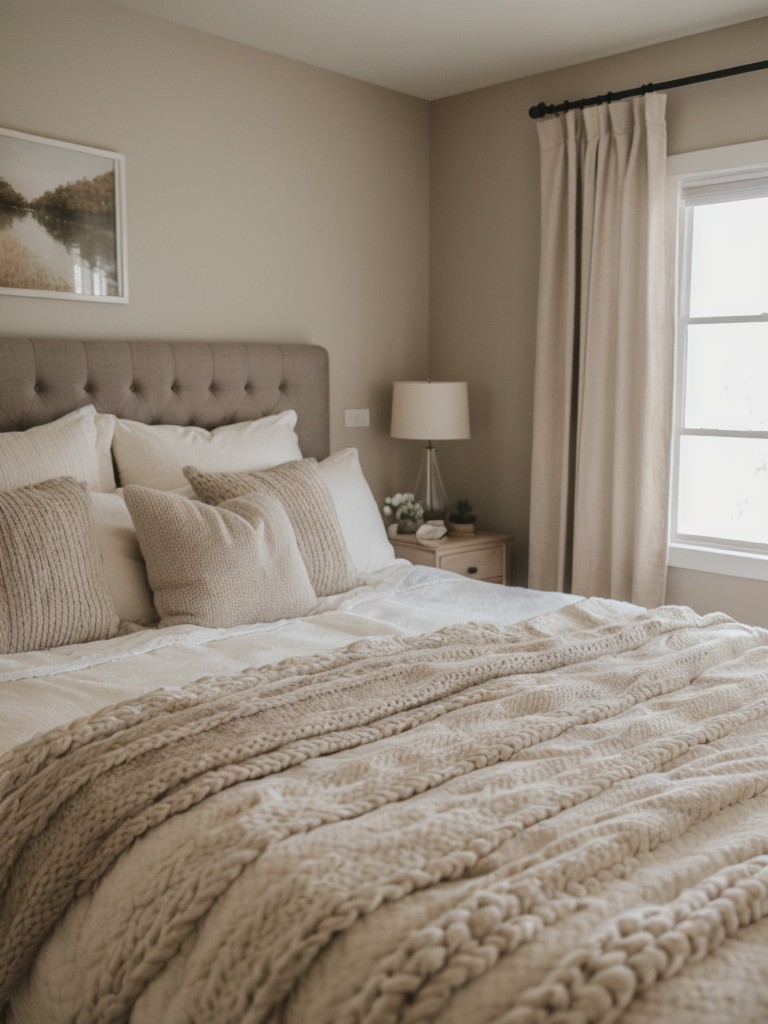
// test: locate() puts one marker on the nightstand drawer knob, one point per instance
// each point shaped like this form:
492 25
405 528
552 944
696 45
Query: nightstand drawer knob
472 570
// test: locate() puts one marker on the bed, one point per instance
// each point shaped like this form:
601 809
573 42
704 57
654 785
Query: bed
414 798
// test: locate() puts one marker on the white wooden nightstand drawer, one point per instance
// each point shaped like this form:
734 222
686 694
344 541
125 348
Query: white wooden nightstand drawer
479 556
482 564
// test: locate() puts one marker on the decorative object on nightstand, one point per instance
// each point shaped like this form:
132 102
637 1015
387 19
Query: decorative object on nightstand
407 512
479 556
430 410
462 518
431 531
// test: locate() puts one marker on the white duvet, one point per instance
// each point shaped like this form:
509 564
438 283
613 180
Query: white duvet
557 814
43 689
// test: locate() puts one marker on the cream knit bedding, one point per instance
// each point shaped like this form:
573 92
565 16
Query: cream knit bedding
562 820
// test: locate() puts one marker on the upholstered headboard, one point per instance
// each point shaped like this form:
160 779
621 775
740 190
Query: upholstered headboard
187 383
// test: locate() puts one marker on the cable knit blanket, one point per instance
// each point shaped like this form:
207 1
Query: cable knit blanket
562 821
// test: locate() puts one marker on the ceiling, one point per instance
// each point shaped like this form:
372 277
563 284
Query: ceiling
436 48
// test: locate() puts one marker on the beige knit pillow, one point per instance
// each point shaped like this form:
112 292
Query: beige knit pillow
52 589
301 490
218 567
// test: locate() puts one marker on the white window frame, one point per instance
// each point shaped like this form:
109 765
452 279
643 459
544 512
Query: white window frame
726 164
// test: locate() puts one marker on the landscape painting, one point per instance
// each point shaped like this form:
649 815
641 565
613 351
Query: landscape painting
62 230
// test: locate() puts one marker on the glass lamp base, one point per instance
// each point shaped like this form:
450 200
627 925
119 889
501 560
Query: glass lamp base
429 486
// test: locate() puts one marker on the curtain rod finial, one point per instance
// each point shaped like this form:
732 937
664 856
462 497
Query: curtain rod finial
539 110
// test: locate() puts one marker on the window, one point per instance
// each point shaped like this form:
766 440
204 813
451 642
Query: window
719 500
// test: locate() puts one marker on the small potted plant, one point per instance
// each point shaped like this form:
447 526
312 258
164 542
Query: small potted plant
462 518
407 512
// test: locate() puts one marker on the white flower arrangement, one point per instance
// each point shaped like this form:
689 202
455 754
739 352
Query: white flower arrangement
403 506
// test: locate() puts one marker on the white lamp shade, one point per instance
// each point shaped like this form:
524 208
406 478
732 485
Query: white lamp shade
430 410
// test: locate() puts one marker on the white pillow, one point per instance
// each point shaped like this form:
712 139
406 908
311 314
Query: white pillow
153 455
76 445
124 570
358 514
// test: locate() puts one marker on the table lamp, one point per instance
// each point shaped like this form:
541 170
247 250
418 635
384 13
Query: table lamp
430 410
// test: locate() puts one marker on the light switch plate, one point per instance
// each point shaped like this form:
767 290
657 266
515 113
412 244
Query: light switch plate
357 417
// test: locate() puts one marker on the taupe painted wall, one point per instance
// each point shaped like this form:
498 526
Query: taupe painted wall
266 199
484 258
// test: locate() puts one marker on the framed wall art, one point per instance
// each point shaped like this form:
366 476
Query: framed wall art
62 220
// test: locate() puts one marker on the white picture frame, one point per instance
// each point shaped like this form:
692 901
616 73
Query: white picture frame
62 220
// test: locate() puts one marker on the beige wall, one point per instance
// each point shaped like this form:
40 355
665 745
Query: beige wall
484 257
266 199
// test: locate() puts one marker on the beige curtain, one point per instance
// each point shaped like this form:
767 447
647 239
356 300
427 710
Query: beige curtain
604 355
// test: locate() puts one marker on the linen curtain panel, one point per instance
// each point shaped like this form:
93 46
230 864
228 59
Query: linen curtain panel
602 404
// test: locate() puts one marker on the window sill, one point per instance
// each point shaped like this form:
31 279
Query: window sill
745 564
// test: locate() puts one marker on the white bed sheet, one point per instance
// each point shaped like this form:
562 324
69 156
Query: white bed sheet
44 689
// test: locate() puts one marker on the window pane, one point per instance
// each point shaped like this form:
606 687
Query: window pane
723 488
729 262
727 377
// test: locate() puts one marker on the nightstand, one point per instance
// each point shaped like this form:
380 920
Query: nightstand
479 556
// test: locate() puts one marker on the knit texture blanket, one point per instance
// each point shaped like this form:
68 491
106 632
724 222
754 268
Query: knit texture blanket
564 820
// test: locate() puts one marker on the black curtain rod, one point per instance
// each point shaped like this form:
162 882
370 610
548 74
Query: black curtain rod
542 109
